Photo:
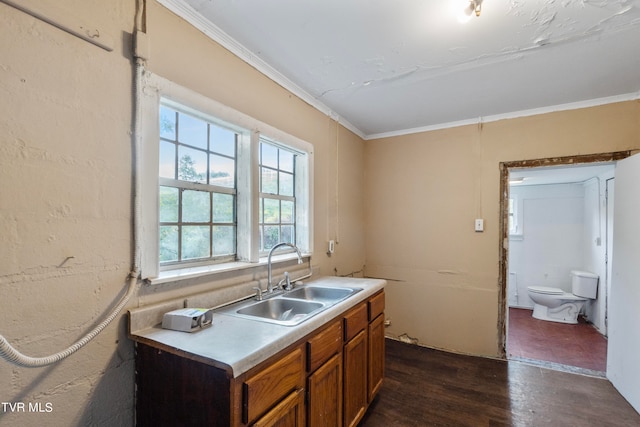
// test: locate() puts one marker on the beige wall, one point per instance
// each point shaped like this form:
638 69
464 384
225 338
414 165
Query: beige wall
422 195
66 175
65 201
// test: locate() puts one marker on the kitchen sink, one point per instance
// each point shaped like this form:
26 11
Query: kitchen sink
321 294
281 311
291 307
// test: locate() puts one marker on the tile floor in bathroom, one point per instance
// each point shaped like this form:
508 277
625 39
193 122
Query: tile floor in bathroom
580 345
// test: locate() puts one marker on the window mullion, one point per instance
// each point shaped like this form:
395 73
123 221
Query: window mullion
247 202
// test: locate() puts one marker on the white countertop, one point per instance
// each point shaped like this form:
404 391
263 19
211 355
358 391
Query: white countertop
238 344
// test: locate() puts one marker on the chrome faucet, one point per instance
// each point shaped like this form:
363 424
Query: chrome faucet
269 284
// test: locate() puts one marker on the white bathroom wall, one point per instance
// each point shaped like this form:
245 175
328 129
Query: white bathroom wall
595 245
551 244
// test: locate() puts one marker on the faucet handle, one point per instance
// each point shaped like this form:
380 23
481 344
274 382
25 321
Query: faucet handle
258 293
287 286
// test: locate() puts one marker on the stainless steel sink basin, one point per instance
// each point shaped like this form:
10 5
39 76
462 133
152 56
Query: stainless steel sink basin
321 294
282 311
292 307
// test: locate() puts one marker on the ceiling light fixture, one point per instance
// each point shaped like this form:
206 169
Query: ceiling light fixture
473 6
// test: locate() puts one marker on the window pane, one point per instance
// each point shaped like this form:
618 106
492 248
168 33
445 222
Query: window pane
286 184
288 234
269 181
223 207
271 211
224 240
192 131
286 212
223 171
192 166
168 243
195 206
169 204
167 123
167 160
271 236
286 161
269 156
195 241
223 141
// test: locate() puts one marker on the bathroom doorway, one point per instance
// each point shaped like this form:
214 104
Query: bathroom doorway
554 221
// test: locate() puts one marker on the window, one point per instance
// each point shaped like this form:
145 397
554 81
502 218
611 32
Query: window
197 191
515 218
277 195
218 188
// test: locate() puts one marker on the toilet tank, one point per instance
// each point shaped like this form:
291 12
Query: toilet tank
584 284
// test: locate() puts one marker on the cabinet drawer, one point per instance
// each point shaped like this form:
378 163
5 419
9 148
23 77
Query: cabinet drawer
355 321
262 390
324 345
376 306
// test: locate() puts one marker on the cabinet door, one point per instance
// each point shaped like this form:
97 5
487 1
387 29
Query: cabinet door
376 355
355 379
288 413
324 408
268 386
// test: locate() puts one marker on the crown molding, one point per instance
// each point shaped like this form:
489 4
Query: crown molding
512 115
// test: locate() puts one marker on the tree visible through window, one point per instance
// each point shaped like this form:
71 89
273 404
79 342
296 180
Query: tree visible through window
197 189
277 195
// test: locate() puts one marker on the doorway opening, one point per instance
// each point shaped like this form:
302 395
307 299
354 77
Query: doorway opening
525 261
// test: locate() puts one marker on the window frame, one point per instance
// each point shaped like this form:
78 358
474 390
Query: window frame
207 187
156 90
276 196
516 232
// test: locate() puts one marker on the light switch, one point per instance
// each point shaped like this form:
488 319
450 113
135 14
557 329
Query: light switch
479 225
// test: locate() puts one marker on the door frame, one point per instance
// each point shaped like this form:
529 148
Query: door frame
503 243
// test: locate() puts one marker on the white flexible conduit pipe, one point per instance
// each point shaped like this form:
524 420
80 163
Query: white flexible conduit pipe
7 351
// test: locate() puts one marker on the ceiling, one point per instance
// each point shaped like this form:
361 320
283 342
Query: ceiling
389 67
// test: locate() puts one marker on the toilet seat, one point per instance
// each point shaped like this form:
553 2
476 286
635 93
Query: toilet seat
546 290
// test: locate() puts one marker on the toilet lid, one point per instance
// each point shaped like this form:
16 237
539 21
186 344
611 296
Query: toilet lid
546 290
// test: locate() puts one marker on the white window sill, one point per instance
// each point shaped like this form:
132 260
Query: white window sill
178 275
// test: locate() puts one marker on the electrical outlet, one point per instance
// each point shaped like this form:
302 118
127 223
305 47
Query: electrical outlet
479 225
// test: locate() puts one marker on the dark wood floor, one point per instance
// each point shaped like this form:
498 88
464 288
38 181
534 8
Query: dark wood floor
425 387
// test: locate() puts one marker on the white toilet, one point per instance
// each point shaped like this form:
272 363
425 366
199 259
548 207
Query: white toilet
556 305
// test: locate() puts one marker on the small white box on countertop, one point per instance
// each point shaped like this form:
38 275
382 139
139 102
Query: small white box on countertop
187 319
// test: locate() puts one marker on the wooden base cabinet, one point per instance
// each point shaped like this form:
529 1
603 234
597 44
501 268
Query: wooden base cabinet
327 379
355 379
324 388
376 345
